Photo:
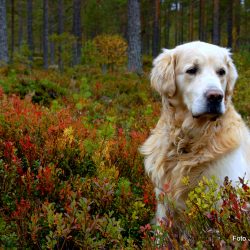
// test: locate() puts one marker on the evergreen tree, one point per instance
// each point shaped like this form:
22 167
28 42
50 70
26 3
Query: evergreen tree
45 34
60 31
156 29
191 20
202 21
4 58
12 28
51 31
134 37
20 24
30 28
77 31
216 24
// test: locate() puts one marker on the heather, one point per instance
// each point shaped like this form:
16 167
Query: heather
72 177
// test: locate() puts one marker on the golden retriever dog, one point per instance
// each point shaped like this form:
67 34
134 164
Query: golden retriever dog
199 132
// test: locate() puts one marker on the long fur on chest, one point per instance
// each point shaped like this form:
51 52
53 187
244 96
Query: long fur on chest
181 145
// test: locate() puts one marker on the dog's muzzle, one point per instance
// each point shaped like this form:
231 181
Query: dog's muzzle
214 98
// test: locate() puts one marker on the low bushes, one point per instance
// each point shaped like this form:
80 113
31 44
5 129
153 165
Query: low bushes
71 176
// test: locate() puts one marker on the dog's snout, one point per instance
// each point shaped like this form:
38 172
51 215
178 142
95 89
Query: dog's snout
214 95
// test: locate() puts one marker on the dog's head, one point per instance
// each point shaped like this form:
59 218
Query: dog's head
201 75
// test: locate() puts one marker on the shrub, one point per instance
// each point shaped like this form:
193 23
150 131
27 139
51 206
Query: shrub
111 50
206 222
63 182
71 175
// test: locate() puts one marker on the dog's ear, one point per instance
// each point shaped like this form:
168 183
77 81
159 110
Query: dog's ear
232 76
163 73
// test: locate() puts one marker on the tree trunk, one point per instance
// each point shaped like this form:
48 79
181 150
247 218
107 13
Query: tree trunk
20 24
45 34
51 31
230 24
202 20
167 25
176 23
181 20
60 31
237 20
4 58
191 20
156 29
148 27
245 27
12 28
77 32
29 29
216 25
134 37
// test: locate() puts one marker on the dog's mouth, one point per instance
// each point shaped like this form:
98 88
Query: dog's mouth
208 116
211 112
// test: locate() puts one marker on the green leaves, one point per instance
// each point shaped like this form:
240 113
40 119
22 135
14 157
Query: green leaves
204 197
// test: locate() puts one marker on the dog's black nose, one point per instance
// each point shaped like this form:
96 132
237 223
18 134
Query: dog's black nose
214 95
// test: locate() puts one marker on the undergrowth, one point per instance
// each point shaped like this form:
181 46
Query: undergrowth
71 176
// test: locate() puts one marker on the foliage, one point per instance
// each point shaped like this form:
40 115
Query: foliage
71 175
74 188
111 50
40 91
242 90
65 42
215 217
213 222
21 56
103 17
89 54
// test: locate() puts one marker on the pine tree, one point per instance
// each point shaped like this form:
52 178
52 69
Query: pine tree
156 29
216 27
191 20
45 34
167 24
4 58
12 28
202 21
77 31
30 28
20 24
60 31
134 37
51 32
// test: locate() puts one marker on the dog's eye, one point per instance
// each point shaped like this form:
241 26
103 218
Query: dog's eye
221 72
192 71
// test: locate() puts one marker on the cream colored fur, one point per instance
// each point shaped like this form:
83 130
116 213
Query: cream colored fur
181 145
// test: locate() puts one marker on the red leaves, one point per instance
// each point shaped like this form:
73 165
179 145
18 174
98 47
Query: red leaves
9 150
28 148
1 92
145 228
120 132
212 216
245 187
22 209
45 180
149 195
26 143
233 203
137 136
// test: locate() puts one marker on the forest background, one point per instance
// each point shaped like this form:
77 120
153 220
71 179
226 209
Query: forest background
75 105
